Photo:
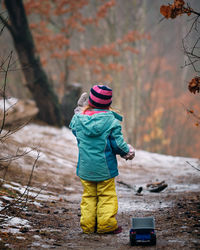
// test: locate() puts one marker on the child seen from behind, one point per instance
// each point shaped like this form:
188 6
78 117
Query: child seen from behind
99 139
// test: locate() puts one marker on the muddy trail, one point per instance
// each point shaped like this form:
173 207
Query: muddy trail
48 214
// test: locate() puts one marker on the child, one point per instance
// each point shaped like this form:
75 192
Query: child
99 139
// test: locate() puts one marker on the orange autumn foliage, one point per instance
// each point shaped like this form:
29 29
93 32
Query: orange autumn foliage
53 29
194 85
102 11
175 9
156 134
172 11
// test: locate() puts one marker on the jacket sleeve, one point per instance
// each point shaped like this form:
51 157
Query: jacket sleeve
119 146
72 125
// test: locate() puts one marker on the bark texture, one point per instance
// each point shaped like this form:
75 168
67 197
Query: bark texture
36 78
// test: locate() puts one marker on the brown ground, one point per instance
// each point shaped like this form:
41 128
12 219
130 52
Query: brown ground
56 225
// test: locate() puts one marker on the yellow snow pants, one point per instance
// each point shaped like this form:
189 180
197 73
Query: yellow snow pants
99 206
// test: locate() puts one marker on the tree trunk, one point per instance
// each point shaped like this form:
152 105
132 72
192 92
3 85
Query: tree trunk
36 78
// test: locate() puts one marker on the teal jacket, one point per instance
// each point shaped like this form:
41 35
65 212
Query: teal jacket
99 139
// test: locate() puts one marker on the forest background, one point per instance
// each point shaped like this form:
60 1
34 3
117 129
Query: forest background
128 46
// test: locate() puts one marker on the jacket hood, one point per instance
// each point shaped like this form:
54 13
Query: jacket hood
96 124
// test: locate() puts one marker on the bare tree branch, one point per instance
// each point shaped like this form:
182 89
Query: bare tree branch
193 58
195 12
16 156
4 90
5 24
192 166
192 26
10 132
26 189
30 177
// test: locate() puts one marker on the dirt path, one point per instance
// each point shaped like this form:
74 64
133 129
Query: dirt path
56 225
51 220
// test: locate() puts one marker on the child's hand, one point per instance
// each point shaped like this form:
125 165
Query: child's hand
82 101
131 153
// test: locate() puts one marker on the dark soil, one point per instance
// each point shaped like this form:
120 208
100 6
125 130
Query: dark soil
56 225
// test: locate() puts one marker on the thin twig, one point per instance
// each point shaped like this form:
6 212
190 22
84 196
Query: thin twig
192 166
30 178
191 112
10 132
5 23
3 27
6 170
4 90
27 187
191 27
189 64
191 56
41 189
194 12
16 156
194 47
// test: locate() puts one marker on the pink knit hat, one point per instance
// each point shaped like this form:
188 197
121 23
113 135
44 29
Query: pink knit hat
100 96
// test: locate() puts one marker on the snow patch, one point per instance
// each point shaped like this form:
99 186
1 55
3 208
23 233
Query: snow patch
8 103
132 206
7 198
20 238
14 224
38 244
1 205
37 237
16 221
